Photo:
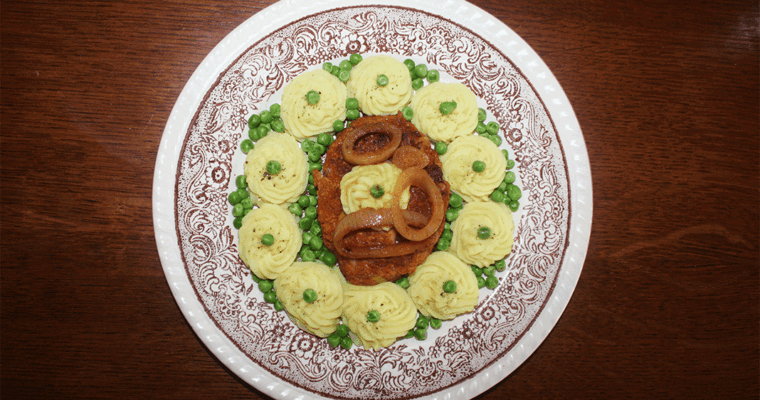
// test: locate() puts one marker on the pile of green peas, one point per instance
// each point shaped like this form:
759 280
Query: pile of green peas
340 338
419 72
241 201
259 125
343 70
507 192
486 276
420 329
266 286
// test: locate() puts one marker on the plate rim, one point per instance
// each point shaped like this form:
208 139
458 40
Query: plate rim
518 52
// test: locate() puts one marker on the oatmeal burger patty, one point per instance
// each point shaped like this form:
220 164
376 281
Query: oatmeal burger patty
393 256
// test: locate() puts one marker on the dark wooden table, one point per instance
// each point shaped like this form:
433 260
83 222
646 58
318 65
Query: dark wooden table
666 94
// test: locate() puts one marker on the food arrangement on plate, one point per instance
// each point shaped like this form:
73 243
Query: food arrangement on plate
373 206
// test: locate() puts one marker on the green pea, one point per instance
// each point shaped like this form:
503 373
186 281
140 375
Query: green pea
382 80
514 192
327 66
324 140
308 255
254 277
303 201
478 166
455 200
403 282
329 259
496 139
237 222
510 164
480 128
345 64
492 282
278 306
234 197
447 234
422 322
311 178
312 97
263 131
314 165
481 282
313 200
492 127
451 214
447 107
352 103
514 205
450 287
355 58
309 295
337 125
484 233
342 330
344 75
435 323
509 177
373 316
433 75
273 167
377 191
409 334
311 212
267 239
270 297
314 155
506 153
275 110
306 238
278 126
497 196
315 244
417 84
481 115
247 203
316 230
420 71
352 114
265 285
489 270
447 226
253 134
476 270
237 210
441 148
500 265
253 121
312 189
409 64
245 210
346 342
242 194
335 70
333 340
266 117
420 334
319 253
246 146
407 113
307 145
442 245
305 223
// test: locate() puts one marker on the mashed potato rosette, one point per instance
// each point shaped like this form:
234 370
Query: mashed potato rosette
267 262
394 309
356 187
459 171
320 316
373 98
426 286
467 244
286 185
429 119
302 119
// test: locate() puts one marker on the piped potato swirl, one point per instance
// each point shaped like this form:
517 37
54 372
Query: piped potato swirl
268 262
458 167
429 119
288 184
427 282
373 98
473 250
321 316
302 119
395 308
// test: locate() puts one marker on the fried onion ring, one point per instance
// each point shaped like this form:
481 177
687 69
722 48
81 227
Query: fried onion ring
417 177
375 156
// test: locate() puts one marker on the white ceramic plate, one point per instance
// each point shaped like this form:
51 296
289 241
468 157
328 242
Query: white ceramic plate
199 158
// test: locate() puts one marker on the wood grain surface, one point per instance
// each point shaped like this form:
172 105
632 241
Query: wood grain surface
667 95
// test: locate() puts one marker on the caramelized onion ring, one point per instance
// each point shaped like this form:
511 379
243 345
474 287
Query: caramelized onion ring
410 156
417 177
370 218
375 156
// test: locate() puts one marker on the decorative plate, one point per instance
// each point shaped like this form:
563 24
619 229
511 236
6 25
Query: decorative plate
199 157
